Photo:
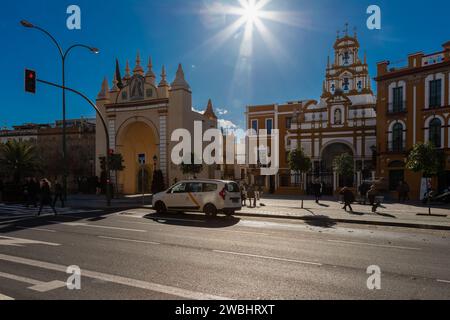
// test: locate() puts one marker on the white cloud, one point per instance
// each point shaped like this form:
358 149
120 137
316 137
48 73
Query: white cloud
221 111
198 111
227 124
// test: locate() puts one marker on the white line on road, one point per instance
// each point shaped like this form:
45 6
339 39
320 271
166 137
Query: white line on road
374 245
36 229
267 257
37 285
117 279
175 219
79 224
19 242
129 240
444 281
5 298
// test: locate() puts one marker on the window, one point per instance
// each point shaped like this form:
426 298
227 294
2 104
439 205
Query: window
269 126
209 187
397 105
195 187
149 93
435 93
397 137
179 188
233 187
435 132
255 125
346 85
288 123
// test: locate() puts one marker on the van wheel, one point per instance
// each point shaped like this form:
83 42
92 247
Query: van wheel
210 210
160 207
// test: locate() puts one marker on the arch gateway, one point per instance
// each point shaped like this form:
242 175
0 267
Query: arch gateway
141 116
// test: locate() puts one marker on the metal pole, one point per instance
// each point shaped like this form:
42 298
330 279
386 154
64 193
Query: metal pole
64 145
105 127
142 184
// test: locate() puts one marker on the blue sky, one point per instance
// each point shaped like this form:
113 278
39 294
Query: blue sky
180 31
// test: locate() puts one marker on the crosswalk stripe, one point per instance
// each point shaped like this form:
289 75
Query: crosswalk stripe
7 211
5 298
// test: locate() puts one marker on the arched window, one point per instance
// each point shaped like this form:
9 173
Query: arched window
435 132
397 137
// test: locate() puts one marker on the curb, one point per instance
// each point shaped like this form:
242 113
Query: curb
351 221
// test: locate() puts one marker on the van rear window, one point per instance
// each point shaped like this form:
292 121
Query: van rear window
209 187
233 187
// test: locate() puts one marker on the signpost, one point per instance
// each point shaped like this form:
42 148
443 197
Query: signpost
141 159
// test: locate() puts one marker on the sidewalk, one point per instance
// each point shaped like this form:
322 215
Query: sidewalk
330 211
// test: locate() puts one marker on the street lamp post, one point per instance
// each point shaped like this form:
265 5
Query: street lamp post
63 55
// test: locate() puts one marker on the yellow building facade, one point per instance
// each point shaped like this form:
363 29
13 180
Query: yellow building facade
141 115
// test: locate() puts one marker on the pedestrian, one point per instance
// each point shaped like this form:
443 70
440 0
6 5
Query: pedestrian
58 189
34 191
46 196
363 189
251 194
349 198
372 194
244 195
317 189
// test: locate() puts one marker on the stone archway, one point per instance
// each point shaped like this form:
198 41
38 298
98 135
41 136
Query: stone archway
331 151
136 139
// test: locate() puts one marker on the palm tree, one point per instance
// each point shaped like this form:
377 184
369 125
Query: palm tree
18 159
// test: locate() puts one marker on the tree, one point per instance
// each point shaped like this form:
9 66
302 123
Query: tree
192 168
299 162
18 159
425 158
344 165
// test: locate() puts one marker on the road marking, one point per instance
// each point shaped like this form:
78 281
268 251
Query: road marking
267 257
444 281
79 224
36 285
36 229
19 242
129 240
174 291
374 245
5 298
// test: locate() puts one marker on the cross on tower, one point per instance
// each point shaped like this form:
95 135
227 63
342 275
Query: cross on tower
346 29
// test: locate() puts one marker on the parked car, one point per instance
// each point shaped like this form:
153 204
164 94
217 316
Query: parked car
208 196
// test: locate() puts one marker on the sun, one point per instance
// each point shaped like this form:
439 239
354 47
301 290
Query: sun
250 11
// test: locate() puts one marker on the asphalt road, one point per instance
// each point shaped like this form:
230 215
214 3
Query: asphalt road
139 255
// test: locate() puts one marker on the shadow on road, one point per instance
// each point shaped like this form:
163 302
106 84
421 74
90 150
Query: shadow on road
387 215
14 224
193 220
320 221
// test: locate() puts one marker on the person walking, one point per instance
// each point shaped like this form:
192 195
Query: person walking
372 194
406 191
400 191
317 189
349 198
252 195
58 194
244 195
363 189
46 196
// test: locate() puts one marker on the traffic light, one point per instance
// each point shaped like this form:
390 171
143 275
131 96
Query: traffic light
30 81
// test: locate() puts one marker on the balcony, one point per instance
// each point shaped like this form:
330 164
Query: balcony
396 146
398 107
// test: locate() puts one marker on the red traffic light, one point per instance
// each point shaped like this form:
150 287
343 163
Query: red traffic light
30 81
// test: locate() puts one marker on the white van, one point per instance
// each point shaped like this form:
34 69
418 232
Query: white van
208 196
